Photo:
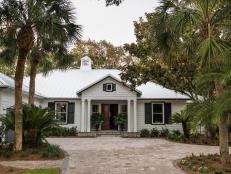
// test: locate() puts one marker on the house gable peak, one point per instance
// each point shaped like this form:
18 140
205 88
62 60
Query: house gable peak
85 63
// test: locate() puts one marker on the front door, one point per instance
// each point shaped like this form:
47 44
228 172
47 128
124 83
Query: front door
109 111
106 115
113 114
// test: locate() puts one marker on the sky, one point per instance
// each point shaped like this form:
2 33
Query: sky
113 24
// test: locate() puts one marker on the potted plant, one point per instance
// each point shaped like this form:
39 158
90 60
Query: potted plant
121 120
97 120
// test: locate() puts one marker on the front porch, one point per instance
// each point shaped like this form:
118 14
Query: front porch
109 109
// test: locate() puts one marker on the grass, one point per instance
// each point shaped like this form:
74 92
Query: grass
41 171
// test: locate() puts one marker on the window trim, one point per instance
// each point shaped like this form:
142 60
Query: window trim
67 103
163 113
111 84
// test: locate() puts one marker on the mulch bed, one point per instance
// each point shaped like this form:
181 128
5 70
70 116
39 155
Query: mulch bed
28 154
209 164
8 170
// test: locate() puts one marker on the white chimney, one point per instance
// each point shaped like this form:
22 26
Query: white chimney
85 63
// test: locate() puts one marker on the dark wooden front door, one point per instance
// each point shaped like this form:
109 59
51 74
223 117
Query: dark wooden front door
106 115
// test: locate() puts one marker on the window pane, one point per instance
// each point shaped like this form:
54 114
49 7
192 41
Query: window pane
61 117
61 107
158 118
123 108
109 87
157 108
95 108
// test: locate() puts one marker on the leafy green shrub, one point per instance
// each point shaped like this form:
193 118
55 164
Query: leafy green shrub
121 119
62 131
73 131
154 132
36 123
51 151
164 132
177 133
194 137
34 151
203 169
45 154
97 120
6 153
218 172
145 133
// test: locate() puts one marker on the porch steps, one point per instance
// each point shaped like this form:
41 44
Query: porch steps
108 133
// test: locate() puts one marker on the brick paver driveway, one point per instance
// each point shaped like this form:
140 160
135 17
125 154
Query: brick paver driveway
115 155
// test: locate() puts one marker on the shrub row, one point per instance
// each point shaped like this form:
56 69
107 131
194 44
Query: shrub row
154 133
62 131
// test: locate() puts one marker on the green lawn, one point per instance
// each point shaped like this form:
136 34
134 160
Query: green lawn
41 171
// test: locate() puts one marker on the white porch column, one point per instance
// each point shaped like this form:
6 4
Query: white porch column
89 115
82 116
129 115
135 115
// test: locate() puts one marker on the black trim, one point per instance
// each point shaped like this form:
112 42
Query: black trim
163 113
113 87
148 112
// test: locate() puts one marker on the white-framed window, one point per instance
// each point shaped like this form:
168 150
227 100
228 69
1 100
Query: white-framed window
157 113
61 111
95 108
123 109
109 87
85 62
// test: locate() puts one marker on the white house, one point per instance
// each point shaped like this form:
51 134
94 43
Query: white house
77 93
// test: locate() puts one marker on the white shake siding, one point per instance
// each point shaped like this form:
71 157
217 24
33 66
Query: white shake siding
7 99
96 92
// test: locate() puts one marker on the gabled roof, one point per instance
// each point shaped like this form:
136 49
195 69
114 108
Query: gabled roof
103 78
66 84
8 82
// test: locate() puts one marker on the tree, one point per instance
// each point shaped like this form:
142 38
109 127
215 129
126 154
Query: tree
102 53
184 118
22 23
208 23
176 72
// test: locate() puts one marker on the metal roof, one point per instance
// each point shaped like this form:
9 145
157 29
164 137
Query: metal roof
66 84
8 82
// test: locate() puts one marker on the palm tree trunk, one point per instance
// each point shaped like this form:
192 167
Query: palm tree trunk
33 71
18 100
223 130
185 129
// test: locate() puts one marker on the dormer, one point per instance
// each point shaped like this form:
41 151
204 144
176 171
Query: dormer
85 63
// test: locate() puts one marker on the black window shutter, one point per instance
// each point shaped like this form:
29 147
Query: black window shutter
71 113
51 106
148 113
167 112
113 87
104 87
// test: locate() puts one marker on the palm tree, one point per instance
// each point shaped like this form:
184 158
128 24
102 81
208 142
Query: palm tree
22 23
207 22
41 58
184 118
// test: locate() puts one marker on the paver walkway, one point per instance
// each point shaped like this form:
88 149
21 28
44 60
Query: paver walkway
115 155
